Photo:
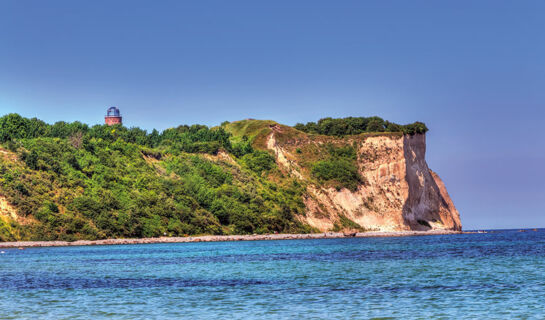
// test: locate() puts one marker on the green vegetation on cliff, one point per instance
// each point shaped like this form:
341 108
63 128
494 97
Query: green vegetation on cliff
339 169
357 125
72 181
69 181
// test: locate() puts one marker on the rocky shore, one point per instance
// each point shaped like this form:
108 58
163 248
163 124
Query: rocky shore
327 235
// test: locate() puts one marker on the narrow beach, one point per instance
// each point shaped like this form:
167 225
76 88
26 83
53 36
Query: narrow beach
213 238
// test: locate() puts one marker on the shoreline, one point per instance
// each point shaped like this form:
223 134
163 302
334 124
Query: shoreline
221 238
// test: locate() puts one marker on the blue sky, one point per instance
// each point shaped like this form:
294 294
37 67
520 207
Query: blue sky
474 71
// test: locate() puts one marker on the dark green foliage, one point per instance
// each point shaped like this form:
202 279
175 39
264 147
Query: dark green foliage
242 147
259 161
6 231
357 125
414 128
243 203
31 159
63 129
195 139
192 139
13 126
342 171
346 152
339 169
78 182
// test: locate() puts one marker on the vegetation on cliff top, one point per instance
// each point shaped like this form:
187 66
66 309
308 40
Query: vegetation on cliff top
356 125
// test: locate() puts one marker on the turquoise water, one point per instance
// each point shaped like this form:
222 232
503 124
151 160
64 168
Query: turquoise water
495 275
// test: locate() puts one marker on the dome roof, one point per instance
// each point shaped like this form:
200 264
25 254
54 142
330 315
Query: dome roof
113 112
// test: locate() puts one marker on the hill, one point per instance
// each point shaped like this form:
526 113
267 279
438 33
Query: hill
69 181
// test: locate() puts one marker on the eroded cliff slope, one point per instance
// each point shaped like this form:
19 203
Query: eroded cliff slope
397 190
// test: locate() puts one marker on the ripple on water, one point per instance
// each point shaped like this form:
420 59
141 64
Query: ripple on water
494 275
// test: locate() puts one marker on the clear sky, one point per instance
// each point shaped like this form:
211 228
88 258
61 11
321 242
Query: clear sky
474 71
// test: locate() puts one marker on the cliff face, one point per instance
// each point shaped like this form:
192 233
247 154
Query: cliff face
398 192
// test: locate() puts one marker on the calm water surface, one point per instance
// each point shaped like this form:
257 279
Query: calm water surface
495 275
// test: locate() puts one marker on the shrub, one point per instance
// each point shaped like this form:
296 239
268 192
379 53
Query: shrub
357 125
338 172
259 161
346 223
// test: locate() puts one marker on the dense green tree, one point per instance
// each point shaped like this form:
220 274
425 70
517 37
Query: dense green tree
339 169
357 125
13 126
259 161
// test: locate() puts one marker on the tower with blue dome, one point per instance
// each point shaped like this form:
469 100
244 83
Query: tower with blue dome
113 116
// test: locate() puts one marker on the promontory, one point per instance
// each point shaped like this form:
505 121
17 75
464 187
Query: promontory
72 181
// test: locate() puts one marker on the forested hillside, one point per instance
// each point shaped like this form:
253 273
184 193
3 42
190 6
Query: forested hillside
71 181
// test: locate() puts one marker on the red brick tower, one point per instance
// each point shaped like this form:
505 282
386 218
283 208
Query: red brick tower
113 116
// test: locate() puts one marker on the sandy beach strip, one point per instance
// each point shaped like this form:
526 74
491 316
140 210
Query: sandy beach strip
212 238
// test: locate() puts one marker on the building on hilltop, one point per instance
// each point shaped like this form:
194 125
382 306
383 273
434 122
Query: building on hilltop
113 116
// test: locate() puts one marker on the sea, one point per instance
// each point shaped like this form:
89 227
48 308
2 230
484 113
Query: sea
499 274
